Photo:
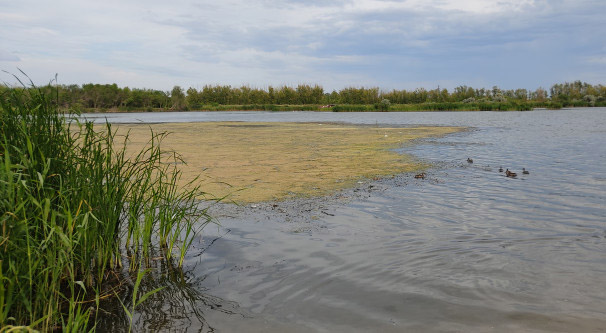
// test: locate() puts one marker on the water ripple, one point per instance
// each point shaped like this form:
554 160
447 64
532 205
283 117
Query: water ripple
467 249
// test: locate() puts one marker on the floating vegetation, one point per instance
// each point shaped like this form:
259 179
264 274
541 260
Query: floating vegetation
274 161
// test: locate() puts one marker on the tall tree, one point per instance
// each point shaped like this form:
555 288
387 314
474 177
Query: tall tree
177 97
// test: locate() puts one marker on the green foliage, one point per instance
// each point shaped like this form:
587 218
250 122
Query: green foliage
383 105
71 204
359 95
352 108
467 105
136 298
177 98
109 97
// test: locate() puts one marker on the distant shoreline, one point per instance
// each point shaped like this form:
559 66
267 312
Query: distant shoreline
438 107
95 98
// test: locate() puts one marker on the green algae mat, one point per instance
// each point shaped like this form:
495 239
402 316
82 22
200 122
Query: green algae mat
254 162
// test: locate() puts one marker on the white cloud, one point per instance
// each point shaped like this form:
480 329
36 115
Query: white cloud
335 43
485 6
600 60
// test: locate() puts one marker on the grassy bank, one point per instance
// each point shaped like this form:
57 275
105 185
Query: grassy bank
439 106
74 210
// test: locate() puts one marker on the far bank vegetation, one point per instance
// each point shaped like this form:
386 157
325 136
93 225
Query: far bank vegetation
109 97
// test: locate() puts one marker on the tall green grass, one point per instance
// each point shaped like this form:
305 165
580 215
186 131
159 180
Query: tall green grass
74 206
460 106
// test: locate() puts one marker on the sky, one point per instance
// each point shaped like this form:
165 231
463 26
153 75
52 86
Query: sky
407 44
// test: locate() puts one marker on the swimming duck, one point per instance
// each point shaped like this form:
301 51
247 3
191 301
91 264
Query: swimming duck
524 171
501 169
420 176
510 174
469 160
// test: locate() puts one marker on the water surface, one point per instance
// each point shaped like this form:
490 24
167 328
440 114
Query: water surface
466 249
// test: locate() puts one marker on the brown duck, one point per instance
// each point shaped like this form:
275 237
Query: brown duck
510 174
469 160
420 176
524 171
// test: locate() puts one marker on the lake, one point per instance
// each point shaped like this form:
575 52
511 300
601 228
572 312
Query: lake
466 249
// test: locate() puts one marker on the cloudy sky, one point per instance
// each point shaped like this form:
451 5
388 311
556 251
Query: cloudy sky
335 43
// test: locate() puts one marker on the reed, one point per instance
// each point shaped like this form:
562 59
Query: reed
461 106
73 207
353 108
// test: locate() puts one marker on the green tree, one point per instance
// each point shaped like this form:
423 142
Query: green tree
177 97
193 99
383 105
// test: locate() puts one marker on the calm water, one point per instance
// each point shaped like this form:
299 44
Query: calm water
466 249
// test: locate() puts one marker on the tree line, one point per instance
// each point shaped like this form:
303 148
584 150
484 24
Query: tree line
92 97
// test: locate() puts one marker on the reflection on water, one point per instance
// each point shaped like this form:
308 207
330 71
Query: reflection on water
179 305
466 249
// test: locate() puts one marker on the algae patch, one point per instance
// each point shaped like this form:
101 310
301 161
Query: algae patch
253 162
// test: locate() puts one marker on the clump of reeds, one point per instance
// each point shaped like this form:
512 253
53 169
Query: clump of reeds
73 205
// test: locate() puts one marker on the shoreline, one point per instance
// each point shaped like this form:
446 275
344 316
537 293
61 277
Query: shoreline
306 109
504 107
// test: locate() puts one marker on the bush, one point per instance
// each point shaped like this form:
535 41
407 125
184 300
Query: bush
350 108
383 105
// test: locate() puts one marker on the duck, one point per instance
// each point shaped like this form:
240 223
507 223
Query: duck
524 171
500 169
510 174
469 160
420 176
